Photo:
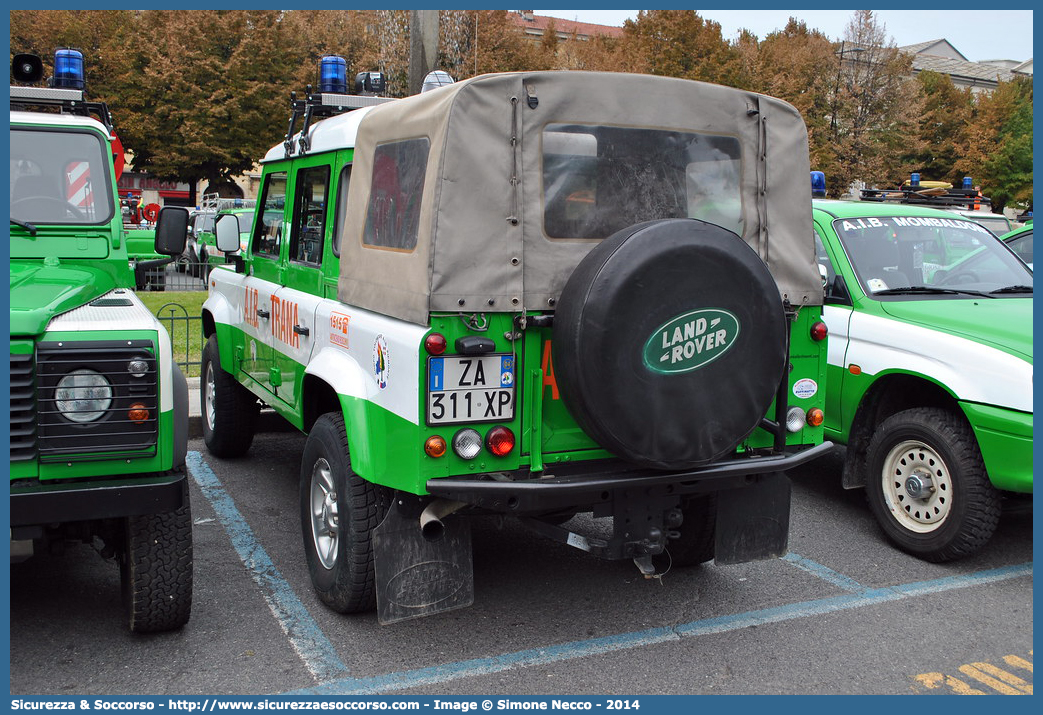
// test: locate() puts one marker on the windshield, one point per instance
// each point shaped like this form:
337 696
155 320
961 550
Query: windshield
246 221
204 222
934 255
60 177
599 179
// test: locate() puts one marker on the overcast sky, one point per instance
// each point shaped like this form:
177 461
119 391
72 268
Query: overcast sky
977 34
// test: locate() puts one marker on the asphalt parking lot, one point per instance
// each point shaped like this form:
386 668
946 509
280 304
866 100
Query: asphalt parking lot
842 613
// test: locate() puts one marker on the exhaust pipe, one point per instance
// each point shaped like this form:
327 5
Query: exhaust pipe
431 526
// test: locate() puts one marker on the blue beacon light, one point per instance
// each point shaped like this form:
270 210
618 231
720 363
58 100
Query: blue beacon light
333 75
68 69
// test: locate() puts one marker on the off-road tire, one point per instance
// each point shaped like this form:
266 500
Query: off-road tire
229 409
698 532
156 570
339 511
963 500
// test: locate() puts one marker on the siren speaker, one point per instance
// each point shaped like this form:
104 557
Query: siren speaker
27 68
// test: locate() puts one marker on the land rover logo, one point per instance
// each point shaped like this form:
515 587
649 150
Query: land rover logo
691 340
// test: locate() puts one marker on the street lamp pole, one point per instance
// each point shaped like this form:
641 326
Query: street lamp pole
836 89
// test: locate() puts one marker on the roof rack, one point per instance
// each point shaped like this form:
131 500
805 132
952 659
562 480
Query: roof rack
320 105
68 101
932 193
215 203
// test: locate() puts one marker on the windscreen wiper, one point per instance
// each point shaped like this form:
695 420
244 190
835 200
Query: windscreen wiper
1013 289
26 225
931 290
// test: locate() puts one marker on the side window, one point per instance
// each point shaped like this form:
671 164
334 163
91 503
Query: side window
341 209
309 214
268 235
393 216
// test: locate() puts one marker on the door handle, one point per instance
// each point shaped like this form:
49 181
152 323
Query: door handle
263 314
301 330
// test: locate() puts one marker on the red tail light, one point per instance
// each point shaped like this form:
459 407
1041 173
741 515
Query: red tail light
500 441
819 331
435 344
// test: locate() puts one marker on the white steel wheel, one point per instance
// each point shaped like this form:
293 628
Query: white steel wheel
916 486
928 488
209 396
325 520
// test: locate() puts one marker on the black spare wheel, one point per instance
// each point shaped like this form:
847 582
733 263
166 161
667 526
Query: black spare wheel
670 343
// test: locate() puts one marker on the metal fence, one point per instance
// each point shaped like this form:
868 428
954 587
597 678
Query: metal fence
186 333
184 275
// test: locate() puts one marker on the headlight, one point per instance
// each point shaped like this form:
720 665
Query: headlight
83 395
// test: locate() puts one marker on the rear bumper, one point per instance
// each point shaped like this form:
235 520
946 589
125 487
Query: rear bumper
599 482
96 499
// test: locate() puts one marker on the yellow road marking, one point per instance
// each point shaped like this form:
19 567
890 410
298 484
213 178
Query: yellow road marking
983 673
986 674
934 681
1017 662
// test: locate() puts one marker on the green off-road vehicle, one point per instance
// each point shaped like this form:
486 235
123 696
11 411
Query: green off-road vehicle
99 409
532 295
930 370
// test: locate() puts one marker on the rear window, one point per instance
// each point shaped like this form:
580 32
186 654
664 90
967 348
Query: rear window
599 179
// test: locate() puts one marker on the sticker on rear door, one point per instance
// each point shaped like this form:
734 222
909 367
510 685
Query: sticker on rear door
690 341
805 388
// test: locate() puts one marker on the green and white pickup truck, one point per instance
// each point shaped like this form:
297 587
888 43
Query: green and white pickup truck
98 407
930 369
527 295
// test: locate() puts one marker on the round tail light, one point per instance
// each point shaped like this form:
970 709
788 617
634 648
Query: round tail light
467 443
435 446
435 344
500 441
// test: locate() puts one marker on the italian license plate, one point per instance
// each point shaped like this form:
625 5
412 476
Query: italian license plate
463 388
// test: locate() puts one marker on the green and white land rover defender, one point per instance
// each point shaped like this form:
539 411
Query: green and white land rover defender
532 295
99 409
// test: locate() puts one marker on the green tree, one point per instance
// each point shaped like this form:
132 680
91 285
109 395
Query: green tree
678 43
944 113
798 64
205 90
874 108
998 151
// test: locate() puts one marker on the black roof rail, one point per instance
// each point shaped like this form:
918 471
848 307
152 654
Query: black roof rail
68 101
320 105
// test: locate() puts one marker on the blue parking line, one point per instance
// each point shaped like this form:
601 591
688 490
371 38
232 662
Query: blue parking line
318 654
825 573
579 649
322 661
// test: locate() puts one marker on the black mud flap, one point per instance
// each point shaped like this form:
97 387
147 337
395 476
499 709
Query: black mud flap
416 577
753 522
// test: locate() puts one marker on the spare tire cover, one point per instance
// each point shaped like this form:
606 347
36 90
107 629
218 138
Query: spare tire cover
670 341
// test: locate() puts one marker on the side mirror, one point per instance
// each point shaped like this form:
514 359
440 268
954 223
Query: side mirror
824 274
226 234
171 229
837 292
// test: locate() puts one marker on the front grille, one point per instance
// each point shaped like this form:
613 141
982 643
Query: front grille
23 408
112 434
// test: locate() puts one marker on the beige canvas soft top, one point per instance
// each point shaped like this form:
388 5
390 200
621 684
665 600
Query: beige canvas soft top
481 242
